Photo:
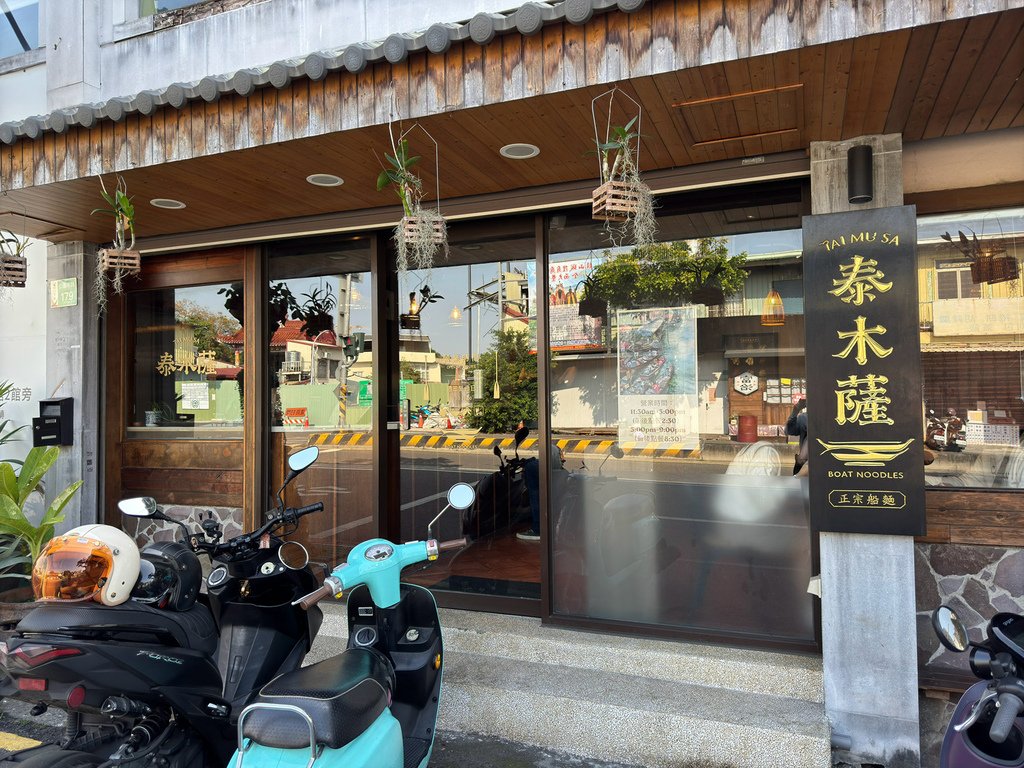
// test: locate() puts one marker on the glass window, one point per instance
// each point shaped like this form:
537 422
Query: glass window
319 367
972 344
19 26
674 372
149 7
468 380
187 363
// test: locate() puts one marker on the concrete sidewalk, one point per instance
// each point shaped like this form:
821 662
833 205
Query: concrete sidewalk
18 730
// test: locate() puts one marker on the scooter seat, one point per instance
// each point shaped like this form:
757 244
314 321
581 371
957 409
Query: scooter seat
193 629
342 695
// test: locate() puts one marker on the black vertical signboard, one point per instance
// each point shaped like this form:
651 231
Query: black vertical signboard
864 424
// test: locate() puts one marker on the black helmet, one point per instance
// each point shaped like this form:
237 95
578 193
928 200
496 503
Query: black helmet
169 576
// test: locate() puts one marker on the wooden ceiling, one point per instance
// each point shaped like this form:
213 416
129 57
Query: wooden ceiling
947 79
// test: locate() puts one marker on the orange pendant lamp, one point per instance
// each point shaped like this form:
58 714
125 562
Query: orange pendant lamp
773 313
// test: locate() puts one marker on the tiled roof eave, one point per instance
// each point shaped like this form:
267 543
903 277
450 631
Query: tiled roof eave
526 20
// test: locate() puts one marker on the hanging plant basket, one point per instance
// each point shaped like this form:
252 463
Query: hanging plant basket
128 262
990 263
622 197
421 228
422 234
615 201
13 271
994 268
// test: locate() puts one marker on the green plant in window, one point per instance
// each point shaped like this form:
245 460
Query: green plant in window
667 274
512 364
316 311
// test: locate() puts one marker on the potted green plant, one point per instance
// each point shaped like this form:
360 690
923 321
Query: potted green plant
280 302
121 259
21 540
421 234
13 264
316 312
8 433
668 274
590 303
622 198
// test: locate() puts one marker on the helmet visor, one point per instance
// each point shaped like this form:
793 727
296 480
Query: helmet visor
72 568
157 578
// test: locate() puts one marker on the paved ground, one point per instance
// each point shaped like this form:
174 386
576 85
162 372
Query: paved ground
451 750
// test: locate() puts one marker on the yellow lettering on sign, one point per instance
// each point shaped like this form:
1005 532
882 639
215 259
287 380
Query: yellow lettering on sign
860 339
860 279
862 400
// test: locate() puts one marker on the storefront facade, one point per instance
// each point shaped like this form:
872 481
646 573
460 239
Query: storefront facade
266 316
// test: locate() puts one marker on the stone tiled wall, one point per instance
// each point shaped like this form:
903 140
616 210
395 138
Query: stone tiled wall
157 530
977 582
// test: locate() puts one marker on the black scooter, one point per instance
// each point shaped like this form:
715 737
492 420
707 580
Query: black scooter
502 500
144 686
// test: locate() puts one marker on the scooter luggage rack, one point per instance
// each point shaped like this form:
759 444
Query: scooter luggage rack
314 751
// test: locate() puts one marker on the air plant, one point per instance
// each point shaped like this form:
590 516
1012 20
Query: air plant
121 259
421 233
622 197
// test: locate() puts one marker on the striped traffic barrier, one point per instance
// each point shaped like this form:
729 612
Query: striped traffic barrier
574 446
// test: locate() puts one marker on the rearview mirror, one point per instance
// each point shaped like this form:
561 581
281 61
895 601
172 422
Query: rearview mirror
461 496
301 460
950 629
521 434
140 506
617 452
496 450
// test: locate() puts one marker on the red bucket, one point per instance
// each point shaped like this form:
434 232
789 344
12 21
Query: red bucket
747 432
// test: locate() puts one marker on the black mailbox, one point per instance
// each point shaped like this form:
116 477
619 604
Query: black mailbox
56 422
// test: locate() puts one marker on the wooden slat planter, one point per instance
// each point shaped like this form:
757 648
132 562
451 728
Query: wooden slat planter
127 261
614 201
411 229
994 269
13 271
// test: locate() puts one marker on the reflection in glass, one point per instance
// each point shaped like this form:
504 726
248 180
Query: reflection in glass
188 366
972 344
320 365
467 387
664 509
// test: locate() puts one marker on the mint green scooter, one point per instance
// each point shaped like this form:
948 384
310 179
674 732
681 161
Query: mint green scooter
375 704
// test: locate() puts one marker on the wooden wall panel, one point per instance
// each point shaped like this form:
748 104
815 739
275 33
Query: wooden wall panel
983 517
962 75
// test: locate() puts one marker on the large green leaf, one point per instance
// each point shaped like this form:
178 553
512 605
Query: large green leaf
8 482
54 513
37 464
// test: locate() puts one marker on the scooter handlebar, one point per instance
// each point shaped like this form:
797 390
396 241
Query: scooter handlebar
452 544
1010 706
327 590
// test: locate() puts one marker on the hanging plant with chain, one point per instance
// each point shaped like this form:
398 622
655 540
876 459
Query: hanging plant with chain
623 199
13 264
421 234
121 259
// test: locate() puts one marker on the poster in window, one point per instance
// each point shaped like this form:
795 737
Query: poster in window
568 330
864 372
657 376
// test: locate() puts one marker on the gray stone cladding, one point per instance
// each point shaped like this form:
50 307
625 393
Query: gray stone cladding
976 582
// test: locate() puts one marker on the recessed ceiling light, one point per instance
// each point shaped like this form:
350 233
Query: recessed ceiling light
325 180
168 203
519 151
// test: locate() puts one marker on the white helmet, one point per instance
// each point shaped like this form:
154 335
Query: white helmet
90 562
